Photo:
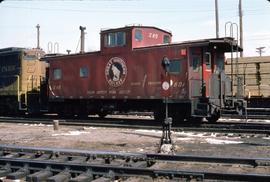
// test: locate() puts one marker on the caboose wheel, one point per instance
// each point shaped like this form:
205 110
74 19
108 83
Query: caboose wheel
214 117
159 116
102 114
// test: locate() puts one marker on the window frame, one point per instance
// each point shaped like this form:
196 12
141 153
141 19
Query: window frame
220 64
197 68
208 61
82 72
179 64
140 38
112 39
168 39
57 74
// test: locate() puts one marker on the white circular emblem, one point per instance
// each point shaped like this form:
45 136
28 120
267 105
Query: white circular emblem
165 85
116 71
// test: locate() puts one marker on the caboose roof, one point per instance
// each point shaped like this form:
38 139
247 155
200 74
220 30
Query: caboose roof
224 43
132 27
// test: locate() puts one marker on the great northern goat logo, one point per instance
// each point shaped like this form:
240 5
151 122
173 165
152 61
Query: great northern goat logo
116 71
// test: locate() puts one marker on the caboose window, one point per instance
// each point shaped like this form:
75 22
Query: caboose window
175 66
111 40
207 58
115 39
121 38
195 63
57 74
220 64
83 71
166 39
138 35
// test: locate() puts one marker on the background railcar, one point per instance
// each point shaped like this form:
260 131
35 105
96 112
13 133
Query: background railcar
21 73
253 73
251 79
126 74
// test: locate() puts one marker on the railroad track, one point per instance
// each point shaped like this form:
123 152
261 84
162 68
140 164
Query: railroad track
220 127
52 164
253 115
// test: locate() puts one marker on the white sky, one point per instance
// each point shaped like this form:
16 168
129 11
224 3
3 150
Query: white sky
187 19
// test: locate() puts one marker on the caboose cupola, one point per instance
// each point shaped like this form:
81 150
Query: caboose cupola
127 38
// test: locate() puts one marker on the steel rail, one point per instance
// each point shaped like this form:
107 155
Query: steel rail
104 170
224 130
137 156
16 148
39 165
95 169
209 159
124 120
204 127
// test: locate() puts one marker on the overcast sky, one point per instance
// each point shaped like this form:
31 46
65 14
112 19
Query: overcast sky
186 19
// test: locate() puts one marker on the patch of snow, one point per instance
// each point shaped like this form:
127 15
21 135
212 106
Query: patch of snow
221 142
244 120
35 124
183 139
148 131
259 120
189 134
266 138
70 133
192 137
40 124
89 128
226 119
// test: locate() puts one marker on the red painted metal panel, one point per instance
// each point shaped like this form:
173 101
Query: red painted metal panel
150 36
140 75
127 72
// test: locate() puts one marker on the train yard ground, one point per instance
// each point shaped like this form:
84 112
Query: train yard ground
202 143
114 134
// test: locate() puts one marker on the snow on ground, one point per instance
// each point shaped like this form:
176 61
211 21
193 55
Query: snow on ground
259 120
243 120
70 133
220 142
197 137
89 128
148 131
227 119
39 125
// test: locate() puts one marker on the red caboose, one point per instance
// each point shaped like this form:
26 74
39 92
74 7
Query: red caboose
127 75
